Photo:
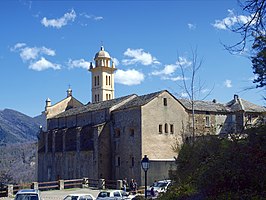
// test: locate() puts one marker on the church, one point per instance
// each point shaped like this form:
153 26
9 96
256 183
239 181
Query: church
108 137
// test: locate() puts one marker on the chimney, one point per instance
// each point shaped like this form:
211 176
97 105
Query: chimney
48 103
235 97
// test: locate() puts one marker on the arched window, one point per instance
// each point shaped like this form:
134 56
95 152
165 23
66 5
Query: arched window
166 128
98 80
106 80
95 98
106 96
109 80
95 81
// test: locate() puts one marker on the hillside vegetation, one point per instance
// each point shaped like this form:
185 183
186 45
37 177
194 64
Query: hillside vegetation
222 168
18 146
18 163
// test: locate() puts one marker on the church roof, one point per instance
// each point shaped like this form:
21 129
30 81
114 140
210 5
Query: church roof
93 107
140 100
209 106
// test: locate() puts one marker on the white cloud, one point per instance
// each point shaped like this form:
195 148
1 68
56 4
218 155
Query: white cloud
43 64
191 26
28 53
81 63
18 46
231 20
168 70
31 53
178 78
184 94
116 61
182 61
34 56
60 22
129 77
139 56
98 18
93 17
228 83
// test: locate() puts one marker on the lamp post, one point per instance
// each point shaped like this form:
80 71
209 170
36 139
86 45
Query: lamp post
145 164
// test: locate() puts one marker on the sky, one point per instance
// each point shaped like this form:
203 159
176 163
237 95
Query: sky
46 47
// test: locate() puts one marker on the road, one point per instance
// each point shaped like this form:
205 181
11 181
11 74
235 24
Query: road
60 194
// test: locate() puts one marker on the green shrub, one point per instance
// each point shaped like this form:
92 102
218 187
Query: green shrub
221 168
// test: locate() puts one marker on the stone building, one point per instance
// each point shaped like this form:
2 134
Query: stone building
108 137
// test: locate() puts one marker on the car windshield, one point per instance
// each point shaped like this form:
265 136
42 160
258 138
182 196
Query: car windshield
26 197
104 194
71 197
160 184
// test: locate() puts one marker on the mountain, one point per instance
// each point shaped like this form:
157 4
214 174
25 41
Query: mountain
16 127
18 146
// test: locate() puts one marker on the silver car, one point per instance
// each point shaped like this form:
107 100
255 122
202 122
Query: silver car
28 194
112 195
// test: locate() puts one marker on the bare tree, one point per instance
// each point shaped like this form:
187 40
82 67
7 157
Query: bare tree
252 28
193 86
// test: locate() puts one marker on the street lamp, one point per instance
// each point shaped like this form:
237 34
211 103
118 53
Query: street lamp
145 164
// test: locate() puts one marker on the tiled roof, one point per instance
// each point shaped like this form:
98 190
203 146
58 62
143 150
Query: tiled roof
140 100
93 107
204 106
241 104
133 100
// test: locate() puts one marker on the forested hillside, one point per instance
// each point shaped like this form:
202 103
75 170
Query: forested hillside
18 146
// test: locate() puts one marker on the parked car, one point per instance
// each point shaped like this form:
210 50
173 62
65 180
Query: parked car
79 197
159 187
113 195
28 194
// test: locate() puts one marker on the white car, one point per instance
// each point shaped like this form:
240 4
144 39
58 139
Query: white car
159 187
113 195
28 194
79 197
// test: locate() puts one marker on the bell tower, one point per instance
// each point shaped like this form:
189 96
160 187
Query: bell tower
102 77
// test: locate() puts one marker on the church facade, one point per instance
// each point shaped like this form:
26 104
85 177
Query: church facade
108 137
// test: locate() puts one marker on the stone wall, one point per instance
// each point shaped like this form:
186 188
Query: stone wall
126 143
162 127
68 154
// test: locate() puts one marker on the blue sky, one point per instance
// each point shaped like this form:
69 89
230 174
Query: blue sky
47 46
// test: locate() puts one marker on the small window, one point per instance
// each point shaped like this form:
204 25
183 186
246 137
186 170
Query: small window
98 97
106 96
132 132
109 96
160 128
95 99
171 128
207 121
117 133
109 80
166 128
106 80
117 163
165 101
98 80
249 119
132 161
95 81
